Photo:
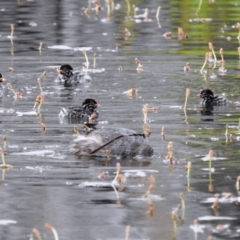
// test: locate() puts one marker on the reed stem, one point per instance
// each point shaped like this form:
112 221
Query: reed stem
12 30
128 7
210 154
51 228
186 98
205 62
86 57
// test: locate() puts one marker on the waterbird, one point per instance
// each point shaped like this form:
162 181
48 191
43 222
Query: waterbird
86 114
70 78
209 100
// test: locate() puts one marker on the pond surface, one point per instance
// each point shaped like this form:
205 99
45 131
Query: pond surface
47 185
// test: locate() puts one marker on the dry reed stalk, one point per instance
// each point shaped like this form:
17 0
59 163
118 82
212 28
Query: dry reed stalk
145 112
51 228
205 61
211 48
149 190
186 98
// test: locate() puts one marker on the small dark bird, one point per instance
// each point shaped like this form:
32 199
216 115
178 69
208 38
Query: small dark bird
117 142
69 78
86 114
208 99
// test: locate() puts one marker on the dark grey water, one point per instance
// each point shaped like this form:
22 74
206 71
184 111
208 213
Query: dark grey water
47 185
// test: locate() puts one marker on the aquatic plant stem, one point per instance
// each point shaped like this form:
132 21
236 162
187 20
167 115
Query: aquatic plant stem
51 228
39 84
11 88
199 7
86 57
226 133
43 127
4 137
115 190
185 114
107 153
186 98
210 154
149 190
36 233
158 11
157 16
90 5
189 164
183 207
205 62
3 174
3 157
222 59
162 133
150 209
182 200
11 39
118 168
4 165
94 60
221 54
38 102
215 206
174 218
170 150
188 169
112 4
237 183
145 112
108 9
127 231
210 45
40 48
41 101
128 7
210 186
12 30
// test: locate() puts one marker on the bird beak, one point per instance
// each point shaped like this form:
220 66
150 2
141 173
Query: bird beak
97 105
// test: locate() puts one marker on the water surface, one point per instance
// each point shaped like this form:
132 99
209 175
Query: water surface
47 185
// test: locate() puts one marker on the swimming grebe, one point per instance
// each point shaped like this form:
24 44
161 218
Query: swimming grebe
69 78
208 99
87 113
